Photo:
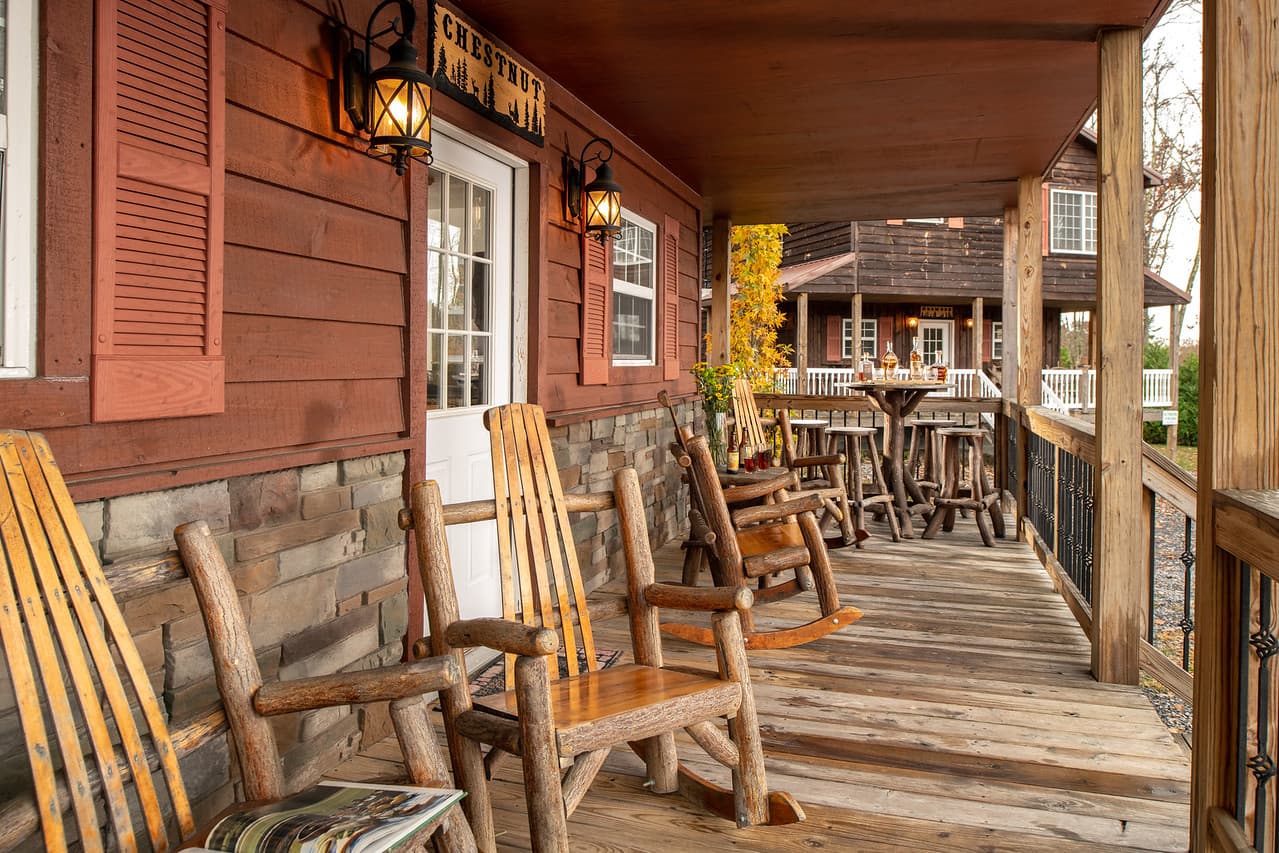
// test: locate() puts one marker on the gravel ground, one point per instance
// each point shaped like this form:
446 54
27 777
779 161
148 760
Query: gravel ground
1170 527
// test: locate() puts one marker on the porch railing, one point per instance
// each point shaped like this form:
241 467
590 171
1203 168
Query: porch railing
1063 390
1060 457
1077 389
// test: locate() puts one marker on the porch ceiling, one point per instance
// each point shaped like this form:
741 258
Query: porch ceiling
802 112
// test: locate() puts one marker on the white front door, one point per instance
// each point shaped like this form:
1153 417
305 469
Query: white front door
469 318
935 341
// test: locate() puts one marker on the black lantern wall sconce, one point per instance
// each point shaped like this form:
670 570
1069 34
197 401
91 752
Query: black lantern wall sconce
603 196
393 103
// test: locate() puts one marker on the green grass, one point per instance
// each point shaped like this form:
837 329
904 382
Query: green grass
1186 457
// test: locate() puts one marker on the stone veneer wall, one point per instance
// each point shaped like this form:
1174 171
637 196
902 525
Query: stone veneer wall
587 455
319 562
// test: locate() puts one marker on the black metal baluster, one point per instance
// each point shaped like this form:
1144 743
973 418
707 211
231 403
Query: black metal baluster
1244 657
1150 611
1088 485
1262 763
1187 623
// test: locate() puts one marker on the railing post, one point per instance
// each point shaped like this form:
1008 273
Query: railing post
1239 361
801 343
1118 563
1029 316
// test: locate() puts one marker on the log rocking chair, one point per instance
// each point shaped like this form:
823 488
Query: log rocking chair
563 724
819 474
753 532
104 763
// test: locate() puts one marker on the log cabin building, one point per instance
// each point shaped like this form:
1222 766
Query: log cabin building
934 277
218 306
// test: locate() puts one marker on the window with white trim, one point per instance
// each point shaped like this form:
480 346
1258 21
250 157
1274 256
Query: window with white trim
1074 221
18 138
634 291
867 339
996 340
931 220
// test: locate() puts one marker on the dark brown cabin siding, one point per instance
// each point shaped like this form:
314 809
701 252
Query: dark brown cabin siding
814 241
324 253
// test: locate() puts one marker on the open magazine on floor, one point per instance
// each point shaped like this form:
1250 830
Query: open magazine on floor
332 817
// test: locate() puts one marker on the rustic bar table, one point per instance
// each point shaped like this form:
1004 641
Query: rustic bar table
898 400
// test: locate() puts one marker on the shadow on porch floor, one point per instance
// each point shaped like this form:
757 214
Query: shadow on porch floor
957 714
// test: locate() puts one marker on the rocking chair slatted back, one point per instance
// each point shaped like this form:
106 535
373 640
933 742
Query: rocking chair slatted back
747 415
535 537
61 627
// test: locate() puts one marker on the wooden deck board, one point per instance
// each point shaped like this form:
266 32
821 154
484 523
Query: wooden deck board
957 714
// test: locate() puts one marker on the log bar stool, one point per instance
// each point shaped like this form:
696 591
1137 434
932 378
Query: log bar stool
925 451
858 497
982 499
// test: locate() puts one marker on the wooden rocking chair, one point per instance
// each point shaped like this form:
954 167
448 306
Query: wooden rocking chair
828 484
563 725
752 532
69 653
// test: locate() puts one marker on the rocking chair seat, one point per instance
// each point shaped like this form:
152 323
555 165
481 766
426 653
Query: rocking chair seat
589 710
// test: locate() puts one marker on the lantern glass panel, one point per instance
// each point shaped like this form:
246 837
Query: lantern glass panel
603 209
401 115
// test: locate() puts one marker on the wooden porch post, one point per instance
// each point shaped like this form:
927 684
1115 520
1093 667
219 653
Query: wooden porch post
721 287
1029 320
1008 360
857 329
1239 354
1118 554
979 306
801 344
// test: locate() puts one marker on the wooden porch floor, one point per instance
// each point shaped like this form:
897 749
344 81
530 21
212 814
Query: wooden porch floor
957 714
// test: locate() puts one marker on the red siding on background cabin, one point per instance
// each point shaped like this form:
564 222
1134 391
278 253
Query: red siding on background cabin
322 260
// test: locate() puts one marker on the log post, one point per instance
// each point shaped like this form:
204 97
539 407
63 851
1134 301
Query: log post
1029 321
721 289
1239 356
979 311
1008 366
801 344
857 330
1118 555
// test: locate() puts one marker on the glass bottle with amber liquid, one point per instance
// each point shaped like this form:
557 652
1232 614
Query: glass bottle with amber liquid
734 453
916 362
889 363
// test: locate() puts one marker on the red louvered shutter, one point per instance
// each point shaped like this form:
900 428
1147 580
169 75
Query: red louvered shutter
987 335
897 222
834 350
159 135
670 298
885 335
955 222
597 321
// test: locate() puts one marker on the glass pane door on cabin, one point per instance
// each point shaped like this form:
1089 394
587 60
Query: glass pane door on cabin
470 239
935 341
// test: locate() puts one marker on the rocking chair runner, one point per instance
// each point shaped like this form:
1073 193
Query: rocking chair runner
68 649
827 485
571 722
747 540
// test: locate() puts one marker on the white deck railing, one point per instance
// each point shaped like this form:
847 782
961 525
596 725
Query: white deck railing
1063 390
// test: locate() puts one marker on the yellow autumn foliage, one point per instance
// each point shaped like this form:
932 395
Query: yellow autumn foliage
756 315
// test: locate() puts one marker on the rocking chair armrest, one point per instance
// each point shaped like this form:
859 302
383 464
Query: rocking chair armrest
699 598
755 491
374 685
816 461
775 512
502 635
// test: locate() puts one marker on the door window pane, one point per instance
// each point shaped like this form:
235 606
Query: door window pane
934 345
459 292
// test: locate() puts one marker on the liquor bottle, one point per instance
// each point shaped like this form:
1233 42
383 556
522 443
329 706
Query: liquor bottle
916 361
734 455
865 368
889 363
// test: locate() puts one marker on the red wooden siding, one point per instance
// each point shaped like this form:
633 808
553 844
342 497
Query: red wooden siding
670 298
159 143
597 318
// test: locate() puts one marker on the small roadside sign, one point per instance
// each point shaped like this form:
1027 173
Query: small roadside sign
1169 417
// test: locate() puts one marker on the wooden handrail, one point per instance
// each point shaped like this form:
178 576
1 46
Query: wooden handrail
1247 526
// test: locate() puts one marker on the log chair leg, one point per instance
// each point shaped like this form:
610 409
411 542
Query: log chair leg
995 509
426 766
544 795
975 478
951 461
941 512
819 563
845 511
877 471
853 475
750 786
